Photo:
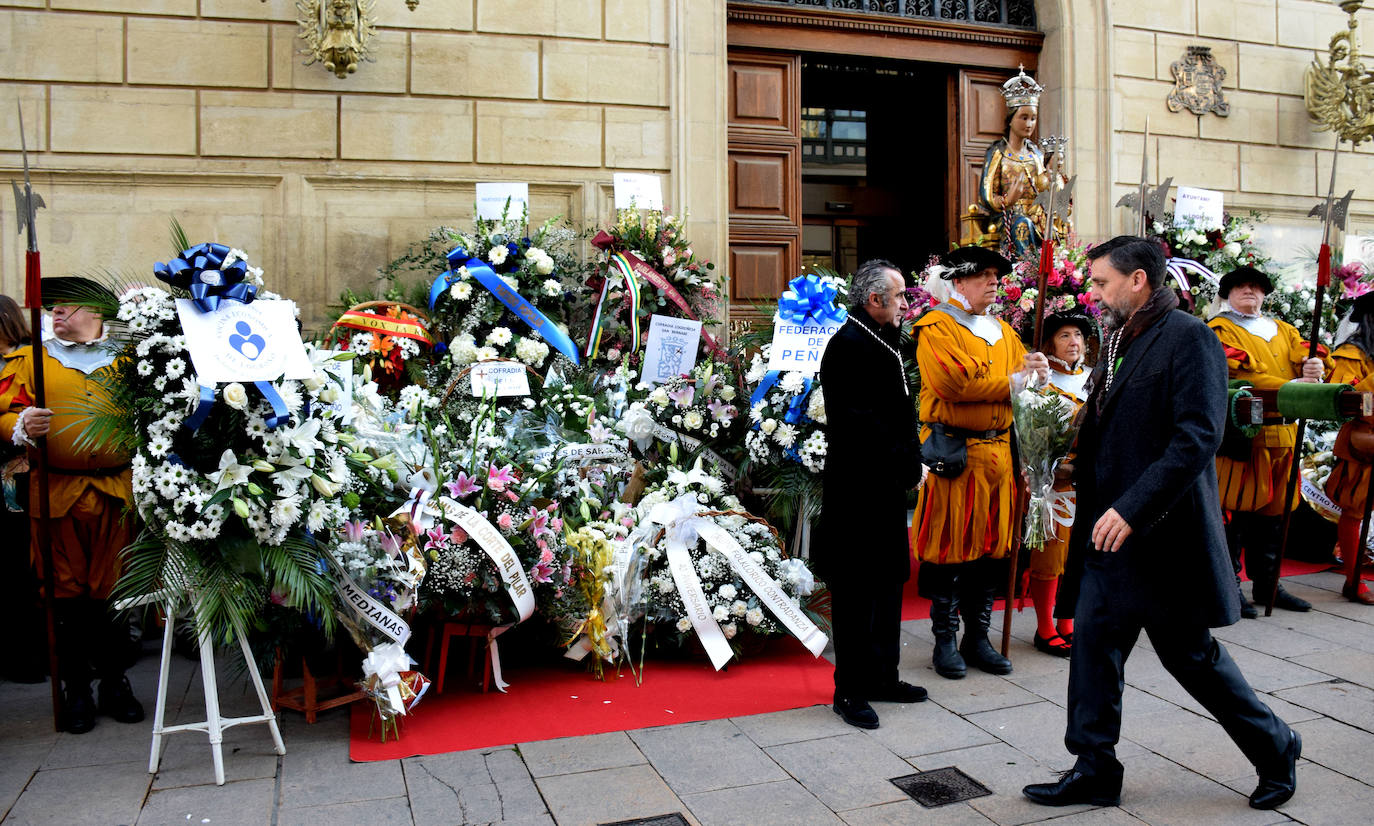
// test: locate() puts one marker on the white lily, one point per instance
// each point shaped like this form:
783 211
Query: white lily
304 437
231 473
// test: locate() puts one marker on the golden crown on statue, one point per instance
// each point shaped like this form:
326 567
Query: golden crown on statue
1022 90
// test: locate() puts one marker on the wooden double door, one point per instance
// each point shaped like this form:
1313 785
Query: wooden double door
764 122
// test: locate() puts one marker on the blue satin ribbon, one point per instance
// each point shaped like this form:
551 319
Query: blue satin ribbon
809 300
795 409
514 302
280 415
198 271
202 411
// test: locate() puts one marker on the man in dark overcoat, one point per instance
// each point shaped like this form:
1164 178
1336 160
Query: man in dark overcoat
1148 550
873 458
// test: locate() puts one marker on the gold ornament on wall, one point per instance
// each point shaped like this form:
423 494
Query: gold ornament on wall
1197 83
338 33
1340 92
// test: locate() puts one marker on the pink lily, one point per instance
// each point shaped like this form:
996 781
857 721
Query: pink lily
538 523
390 544
434 539
721 412
542 572
682 397
463 486
498 478
354 530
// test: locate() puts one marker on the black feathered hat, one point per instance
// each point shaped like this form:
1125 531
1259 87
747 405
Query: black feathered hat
1054 322
74 289
1244 275
966 261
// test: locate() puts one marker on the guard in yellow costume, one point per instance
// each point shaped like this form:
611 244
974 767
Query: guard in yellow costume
1065 344
1267 353
89 494
964 516
1348 485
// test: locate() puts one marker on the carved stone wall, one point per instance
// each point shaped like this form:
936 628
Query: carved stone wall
140 110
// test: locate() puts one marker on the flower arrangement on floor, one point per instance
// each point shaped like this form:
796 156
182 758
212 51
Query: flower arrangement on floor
390 338
645 266
231 481
700 548
696 410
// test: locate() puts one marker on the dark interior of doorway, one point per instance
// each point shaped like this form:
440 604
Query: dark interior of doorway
874 144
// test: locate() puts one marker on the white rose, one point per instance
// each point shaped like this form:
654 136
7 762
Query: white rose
727 393
638 424
659 397
768 426
1232 249
684 625
720 614
754 616
235 396
727 591
692 420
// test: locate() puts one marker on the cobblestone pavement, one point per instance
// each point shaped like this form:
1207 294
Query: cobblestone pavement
793 767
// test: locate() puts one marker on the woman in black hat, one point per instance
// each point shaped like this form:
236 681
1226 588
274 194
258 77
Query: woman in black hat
1065 344
1348 484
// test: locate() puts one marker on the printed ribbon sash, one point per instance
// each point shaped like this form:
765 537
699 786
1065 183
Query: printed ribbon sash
490 540
631 265
516 303
682 528
1176 267
386 661
374 323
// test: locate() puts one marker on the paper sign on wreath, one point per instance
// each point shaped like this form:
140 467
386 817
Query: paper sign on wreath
638 190
799 346
1201 208
244 342
672 348
499 378
497 200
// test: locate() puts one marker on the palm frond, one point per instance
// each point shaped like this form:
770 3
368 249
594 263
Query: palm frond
178 235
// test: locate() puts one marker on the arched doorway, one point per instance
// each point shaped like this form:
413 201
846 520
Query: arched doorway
857 129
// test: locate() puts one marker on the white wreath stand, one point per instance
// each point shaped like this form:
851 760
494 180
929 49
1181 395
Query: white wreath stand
214 724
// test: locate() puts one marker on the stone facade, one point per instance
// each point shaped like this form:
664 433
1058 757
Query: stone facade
140 110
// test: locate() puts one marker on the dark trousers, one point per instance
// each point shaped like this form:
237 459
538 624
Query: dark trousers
1102 640
866 619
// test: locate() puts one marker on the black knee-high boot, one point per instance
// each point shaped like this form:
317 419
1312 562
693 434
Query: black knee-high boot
938 584
112 658
977 590
74 663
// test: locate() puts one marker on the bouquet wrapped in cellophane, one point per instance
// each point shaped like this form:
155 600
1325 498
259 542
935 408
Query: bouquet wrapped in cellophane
1045 432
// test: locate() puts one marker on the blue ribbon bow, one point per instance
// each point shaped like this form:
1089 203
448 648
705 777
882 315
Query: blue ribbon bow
200 271
809 300
483 274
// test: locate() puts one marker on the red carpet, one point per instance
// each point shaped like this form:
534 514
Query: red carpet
563 700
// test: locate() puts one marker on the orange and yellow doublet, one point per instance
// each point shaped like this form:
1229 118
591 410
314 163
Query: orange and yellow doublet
1048 562
965 383
89 490
1256 485
1348 483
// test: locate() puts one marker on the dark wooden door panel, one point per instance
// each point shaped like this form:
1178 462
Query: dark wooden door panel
762 185
761 267
763 92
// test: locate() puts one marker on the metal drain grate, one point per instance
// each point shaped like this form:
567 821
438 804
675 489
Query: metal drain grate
674 819
940 787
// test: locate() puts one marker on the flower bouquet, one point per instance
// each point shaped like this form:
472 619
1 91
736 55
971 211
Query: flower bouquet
1066 289
1219 249
787 418
711 570
646 266
379 572
233 480
695 411
503 293
1045 431
391 339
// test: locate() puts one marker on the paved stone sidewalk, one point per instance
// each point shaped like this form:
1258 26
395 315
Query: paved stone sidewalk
793 767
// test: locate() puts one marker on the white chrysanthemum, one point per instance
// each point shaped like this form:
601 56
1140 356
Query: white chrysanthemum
318 514
531 351
792 381
460 291
727 591
785 434
552 288
815 406
145 368
175 368
720 614
487 353
498 254
286 511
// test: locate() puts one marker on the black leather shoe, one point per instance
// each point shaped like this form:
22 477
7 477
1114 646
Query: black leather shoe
79 708
117 701
857 713
899 692
1047 646
1275 790
1075 787
1288 602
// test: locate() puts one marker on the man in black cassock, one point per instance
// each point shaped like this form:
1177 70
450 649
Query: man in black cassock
872 460
1148 550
